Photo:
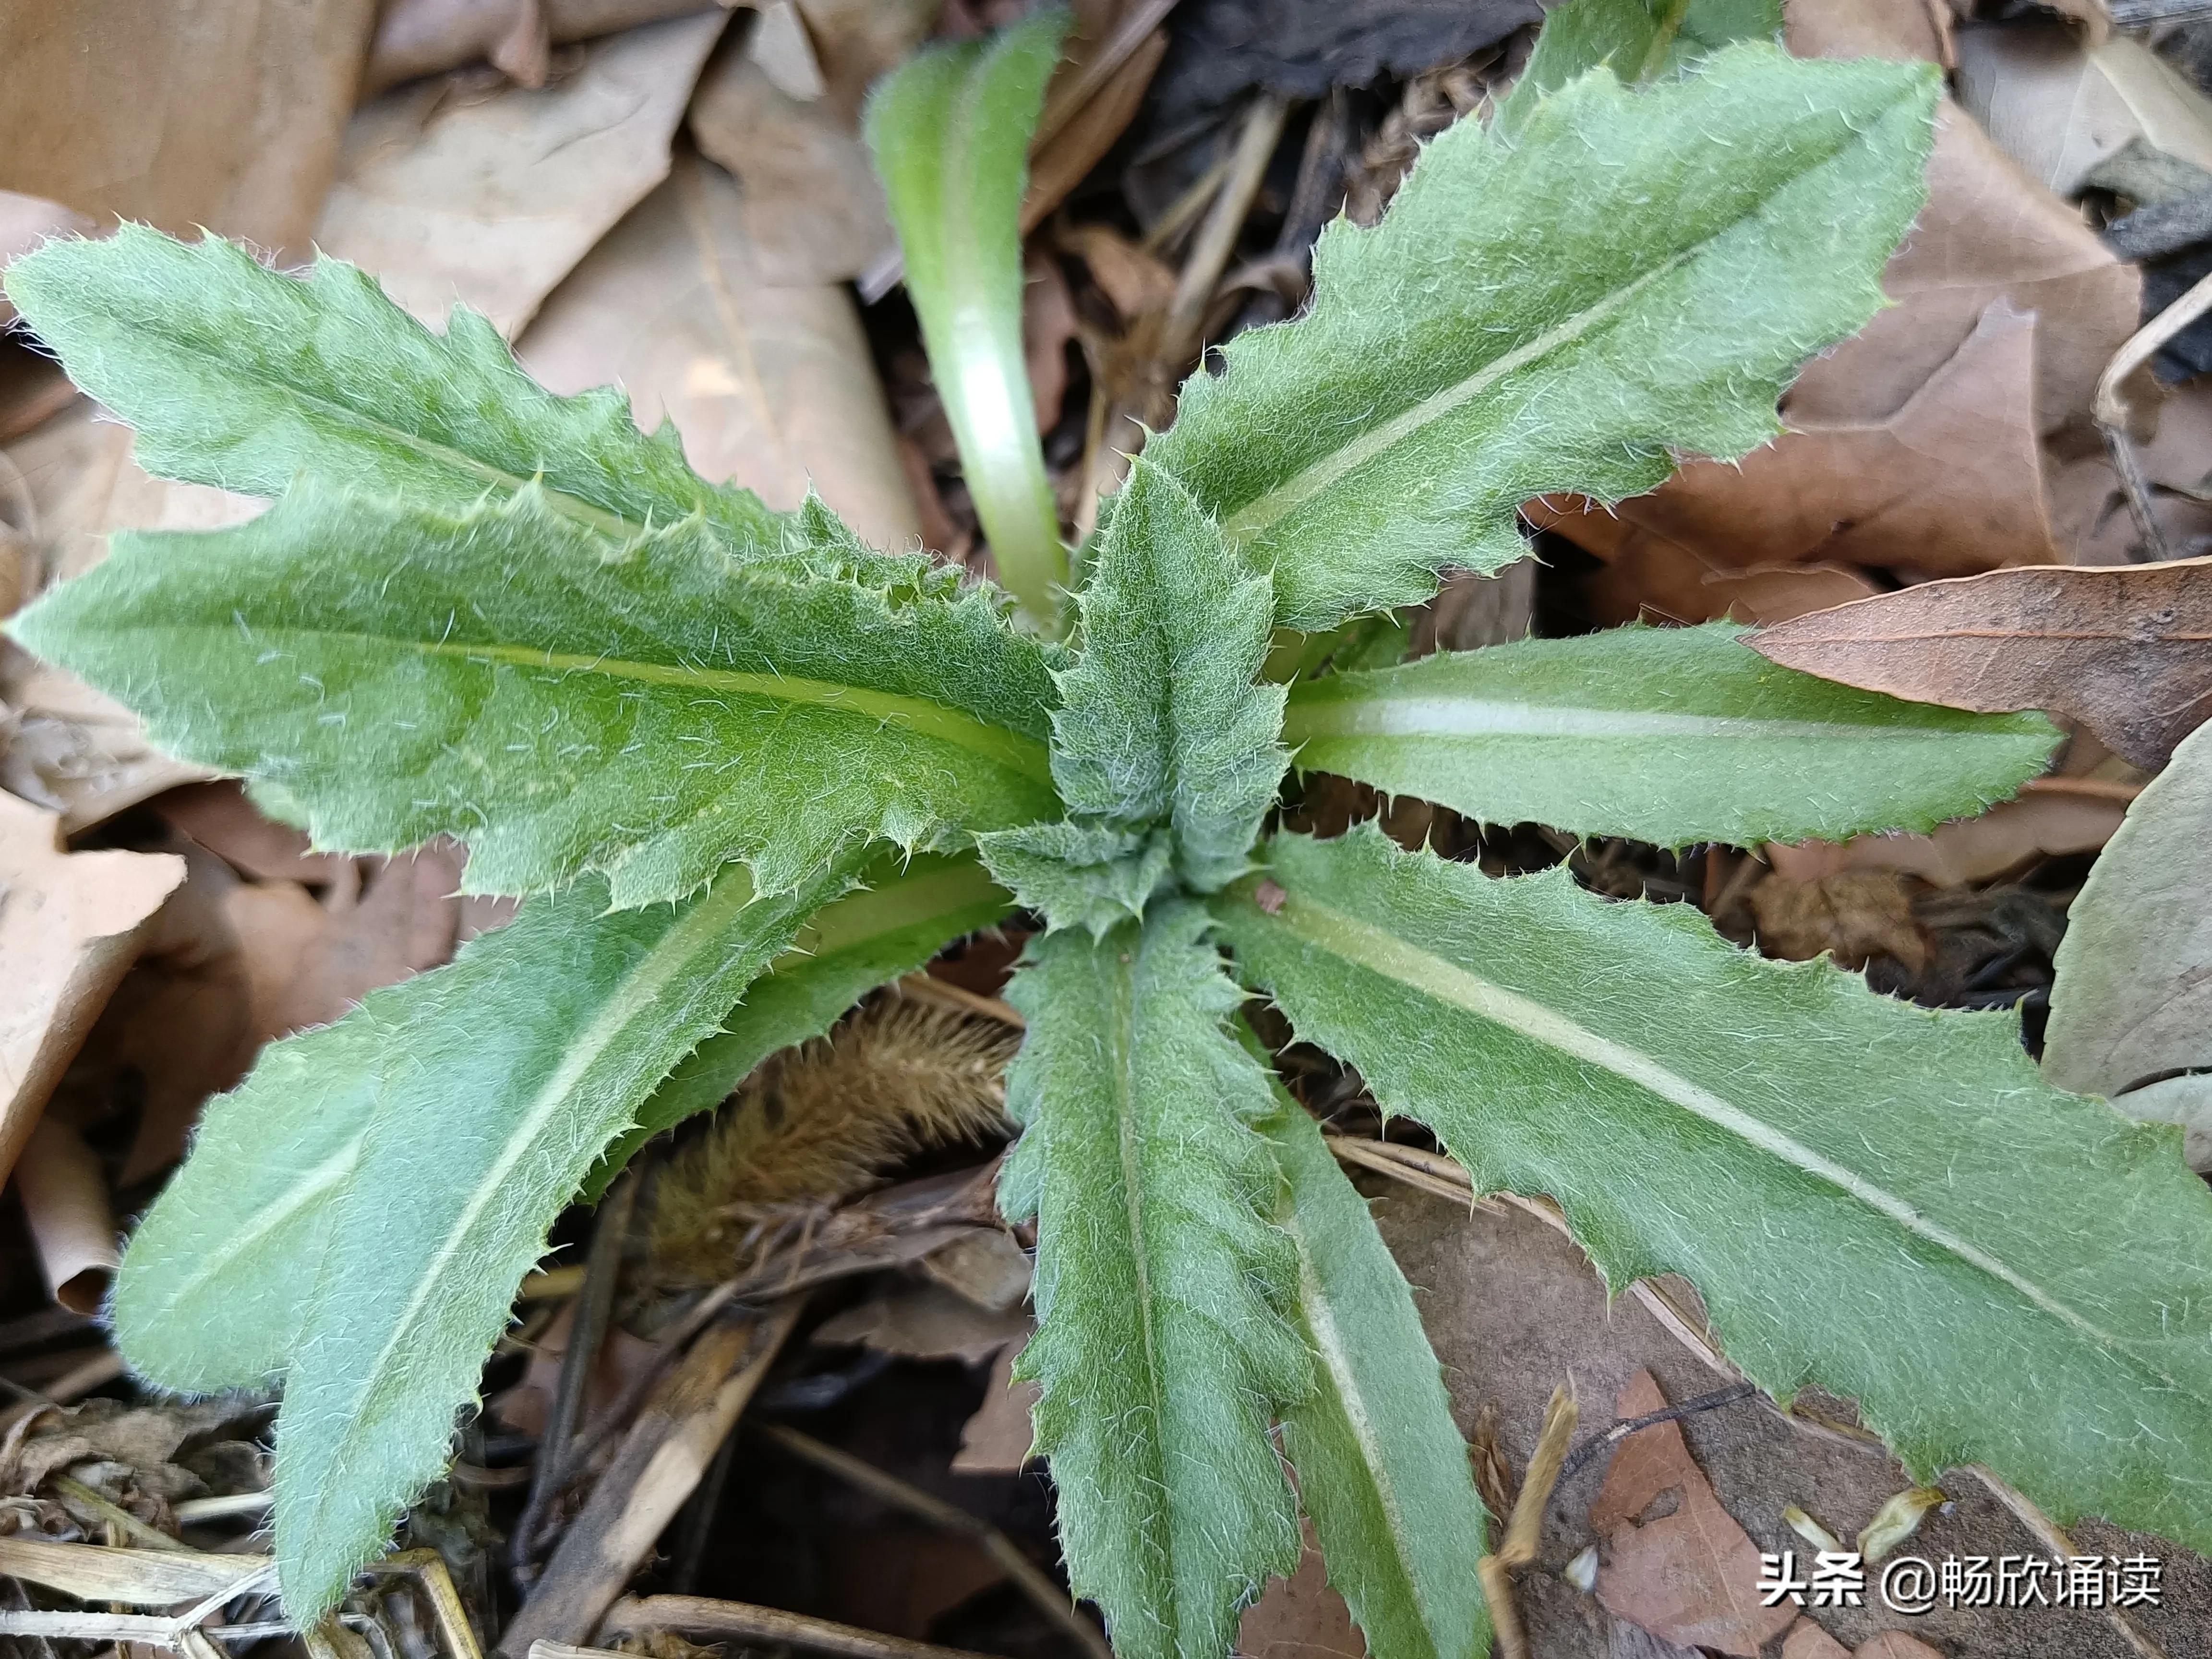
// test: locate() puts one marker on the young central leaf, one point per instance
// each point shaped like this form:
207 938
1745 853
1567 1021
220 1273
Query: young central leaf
1635 274
1883 1200
507 676
503 1078
1163 720
1162 1345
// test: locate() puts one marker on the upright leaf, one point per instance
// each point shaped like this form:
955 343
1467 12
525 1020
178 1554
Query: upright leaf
1669 735
507 677
1164 718
236 376
1635 275
1636 39
1382 1468
903 915
1161 1285
503 1079
2131 1000
949 133
1883 1200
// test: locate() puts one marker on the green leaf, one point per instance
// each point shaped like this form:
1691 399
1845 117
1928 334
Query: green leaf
1164 718
905 914
507 678
1080 875
236 376
1883 1200
220 1274
1162 1345
1636 39
949 133
1382 1468
1669 735
503 1079
2131 1001
1638 274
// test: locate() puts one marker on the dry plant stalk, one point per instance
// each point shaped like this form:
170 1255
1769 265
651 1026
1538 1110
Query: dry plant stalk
817 1123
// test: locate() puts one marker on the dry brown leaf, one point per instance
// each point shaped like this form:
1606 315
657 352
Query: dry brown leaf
771 387
492 200
1137 282
622 1359
1870 28
182 115
70 925
2064 111
1853 914
998 1437
2126 650
1896 1644
1065 159
1807 1640
424 37
1948 484
2047 821
1690 1576
64 1197
811 206
1048 327
924 1322
987 1267
1301 1617
124 1450
220 817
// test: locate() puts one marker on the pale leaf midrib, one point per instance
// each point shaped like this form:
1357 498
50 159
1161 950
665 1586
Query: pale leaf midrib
585 513
1329 1345
1127 1133
1317 476
1380 951
636 991
1446 715
1002 746
329 1173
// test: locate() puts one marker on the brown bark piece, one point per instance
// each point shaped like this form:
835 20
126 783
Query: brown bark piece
2127 649
1689 1577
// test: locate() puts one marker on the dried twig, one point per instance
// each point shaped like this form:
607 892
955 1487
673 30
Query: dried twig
1705 1403
659 1464
2111 407
697 1615
594 1307
1045 1595
1525 1530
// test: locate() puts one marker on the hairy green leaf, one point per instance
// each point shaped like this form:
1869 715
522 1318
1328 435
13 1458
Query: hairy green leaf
1636 39
1635 274
1883 1200
905 914
1382 1468
236 376
1080 875
498 1092
2131 1000
1162 1345
220 1274
949 133
1163 718
504 676
1669 735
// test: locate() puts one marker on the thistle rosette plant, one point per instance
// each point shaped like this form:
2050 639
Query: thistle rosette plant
745 768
